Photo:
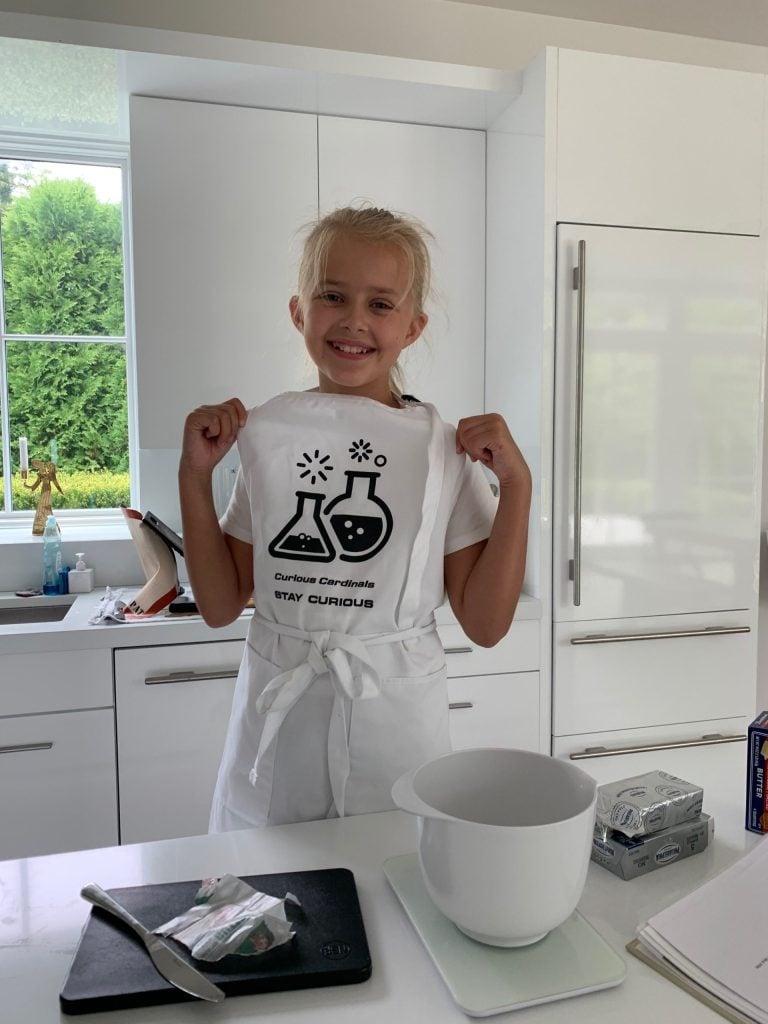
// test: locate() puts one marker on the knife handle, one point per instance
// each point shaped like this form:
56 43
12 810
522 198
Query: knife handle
96 895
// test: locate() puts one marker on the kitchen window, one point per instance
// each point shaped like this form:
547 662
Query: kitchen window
64 333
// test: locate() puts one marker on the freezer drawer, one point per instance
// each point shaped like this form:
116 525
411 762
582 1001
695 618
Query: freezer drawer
655 675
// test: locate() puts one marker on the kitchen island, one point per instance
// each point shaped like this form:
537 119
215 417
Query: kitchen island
41 915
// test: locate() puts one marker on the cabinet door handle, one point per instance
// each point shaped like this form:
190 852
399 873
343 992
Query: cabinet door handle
458 650
617 638
187 676
459 705
21 747
580 287
708 740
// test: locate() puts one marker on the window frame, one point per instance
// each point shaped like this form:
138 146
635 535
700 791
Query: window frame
52 149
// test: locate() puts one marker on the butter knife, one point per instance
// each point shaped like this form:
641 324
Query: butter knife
173 967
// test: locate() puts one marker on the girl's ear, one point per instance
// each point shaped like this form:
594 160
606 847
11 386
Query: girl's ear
416 328
297 315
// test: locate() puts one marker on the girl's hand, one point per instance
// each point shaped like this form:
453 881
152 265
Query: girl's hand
209 433
487 439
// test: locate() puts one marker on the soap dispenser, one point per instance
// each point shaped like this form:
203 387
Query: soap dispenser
81 577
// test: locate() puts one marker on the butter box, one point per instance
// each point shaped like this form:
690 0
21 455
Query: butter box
757 754
629 857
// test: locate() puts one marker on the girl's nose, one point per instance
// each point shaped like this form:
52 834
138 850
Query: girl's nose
355 318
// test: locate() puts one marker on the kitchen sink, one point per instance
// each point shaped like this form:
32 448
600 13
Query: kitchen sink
18 614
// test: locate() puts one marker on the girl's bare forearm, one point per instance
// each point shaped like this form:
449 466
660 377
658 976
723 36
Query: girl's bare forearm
212 571
493 587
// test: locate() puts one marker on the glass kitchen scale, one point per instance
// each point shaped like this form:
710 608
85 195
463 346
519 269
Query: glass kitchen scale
571 960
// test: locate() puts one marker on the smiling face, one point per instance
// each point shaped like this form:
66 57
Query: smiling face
359 318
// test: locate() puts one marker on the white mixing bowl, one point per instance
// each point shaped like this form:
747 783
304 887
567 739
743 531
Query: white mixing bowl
504 839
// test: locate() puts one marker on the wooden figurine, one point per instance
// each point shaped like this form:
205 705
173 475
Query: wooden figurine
46 475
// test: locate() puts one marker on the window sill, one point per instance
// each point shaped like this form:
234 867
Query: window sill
71 530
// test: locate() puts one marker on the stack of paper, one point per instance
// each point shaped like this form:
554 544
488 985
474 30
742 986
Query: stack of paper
714 942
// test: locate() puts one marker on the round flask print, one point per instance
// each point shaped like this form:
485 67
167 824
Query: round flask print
360 520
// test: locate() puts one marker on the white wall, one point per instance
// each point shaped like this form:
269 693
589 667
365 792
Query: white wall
438 30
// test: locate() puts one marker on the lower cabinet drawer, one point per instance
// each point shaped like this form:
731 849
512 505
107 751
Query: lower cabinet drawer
518 651
495 711
635 674
58 788
172 707
660 741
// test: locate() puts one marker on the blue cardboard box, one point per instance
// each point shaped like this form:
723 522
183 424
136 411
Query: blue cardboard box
757 792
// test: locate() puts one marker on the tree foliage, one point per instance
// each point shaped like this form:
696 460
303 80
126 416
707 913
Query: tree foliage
63 262
63 275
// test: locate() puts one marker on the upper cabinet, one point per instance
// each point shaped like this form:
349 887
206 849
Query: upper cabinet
646 143
218 196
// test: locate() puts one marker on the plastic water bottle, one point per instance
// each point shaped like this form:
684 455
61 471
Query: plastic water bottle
51 556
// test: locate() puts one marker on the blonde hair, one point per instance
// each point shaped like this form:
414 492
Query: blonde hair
378 227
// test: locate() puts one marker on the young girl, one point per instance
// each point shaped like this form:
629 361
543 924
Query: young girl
355 511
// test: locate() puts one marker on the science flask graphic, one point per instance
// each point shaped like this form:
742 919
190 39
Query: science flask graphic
360 520
304 537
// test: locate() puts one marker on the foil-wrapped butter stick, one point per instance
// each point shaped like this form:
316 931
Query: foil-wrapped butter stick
647 803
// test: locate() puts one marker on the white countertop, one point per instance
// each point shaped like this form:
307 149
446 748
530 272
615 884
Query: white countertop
74 632
41 915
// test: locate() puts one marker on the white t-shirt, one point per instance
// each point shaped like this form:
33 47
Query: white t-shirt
307 455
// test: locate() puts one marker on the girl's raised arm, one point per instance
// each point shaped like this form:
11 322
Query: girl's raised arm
484 581
220 567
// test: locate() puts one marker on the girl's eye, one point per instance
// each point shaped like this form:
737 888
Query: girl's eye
382 304
330 298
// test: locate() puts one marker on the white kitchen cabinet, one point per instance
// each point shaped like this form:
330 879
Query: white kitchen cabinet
437 175
172 706
495 711
218 194
493 692
652 143
58 788
57 783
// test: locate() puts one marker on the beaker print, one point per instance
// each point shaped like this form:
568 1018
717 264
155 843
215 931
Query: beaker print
304 537
360 520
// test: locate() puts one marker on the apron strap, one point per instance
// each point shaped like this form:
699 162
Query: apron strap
411 597
353 677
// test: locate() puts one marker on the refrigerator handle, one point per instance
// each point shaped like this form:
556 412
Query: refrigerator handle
579 286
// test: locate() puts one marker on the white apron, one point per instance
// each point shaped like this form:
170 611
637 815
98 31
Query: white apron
342 686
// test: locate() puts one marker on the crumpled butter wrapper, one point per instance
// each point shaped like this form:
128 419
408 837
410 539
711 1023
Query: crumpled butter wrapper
110 609
230 917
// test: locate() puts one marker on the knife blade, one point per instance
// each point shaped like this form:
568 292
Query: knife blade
169 963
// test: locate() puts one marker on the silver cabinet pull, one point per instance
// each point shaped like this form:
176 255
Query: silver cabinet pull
458 650
22 747
618 638
459 705
186 676
709 740
579 286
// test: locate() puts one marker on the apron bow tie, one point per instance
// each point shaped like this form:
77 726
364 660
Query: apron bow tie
353 677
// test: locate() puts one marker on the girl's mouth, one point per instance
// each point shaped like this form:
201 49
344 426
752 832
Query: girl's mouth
348 350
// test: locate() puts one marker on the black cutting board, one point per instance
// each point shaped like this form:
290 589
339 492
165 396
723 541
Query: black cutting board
112 970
